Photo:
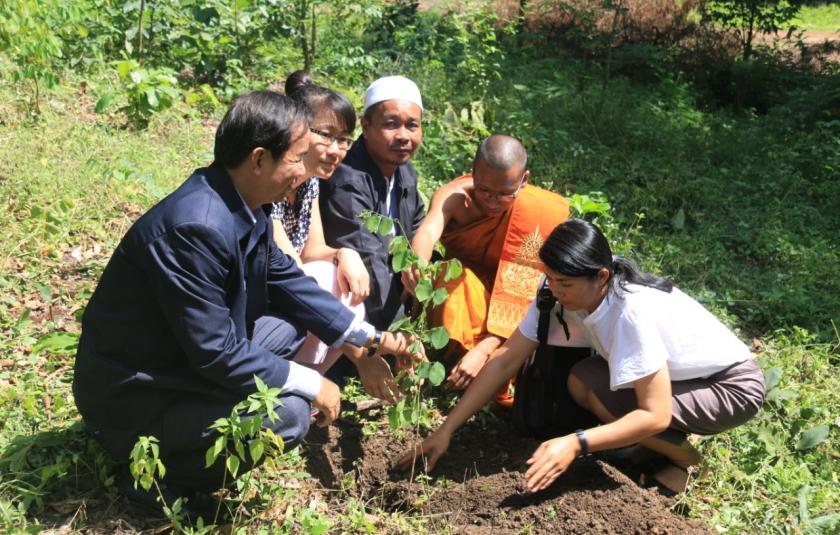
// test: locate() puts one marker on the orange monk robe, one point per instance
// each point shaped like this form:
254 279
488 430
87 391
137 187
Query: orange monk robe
501 268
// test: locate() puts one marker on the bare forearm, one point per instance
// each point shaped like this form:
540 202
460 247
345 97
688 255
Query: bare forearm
318 252
630 429
423 244
355 354
482 389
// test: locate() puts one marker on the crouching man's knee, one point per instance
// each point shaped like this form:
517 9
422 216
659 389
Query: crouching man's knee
294 417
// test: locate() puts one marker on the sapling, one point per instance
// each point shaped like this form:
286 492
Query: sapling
412 409
241 440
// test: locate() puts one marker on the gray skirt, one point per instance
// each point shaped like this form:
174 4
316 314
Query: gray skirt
707 406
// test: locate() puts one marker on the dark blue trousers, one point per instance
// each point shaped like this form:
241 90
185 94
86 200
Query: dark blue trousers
183 428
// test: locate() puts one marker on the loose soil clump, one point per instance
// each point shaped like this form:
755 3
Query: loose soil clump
478 488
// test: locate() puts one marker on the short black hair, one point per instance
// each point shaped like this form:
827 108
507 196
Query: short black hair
258 119
300 86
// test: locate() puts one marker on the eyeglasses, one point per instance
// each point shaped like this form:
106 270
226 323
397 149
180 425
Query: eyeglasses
495 196
343 142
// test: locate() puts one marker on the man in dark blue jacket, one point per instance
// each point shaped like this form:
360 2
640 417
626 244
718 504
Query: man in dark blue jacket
169 342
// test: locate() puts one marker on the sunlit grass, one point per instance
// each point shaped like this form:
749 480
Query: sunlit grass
822 18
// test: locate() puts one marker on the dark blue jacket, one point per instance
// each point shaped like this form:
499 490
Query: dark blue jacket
357 185
175 308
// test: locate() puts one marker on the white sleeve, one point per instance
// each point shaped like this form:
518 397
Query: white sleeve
637 351
528 325
302 381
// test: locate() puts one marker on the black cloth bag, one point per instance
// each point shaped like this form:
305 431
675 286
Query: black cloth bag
542 406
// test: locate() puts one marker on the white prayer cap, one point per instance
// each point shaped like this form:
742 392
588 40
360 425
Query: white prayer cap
392 88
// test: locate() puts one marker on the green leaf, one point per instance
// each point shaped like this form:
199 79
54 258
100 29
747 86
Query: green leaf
813 437
372 222
152 98
802 495
399 261
59 343
439 296
778 395
385 226
772 442
678 221
453 269
256 449
103 102
439 337
422 371
437 373
209 458
772 377
215 450
825 522
424 290
398 244
232 464
398 324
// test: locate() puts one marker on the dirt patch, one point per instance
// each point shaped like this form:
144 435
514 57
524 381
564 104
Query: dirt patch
478 488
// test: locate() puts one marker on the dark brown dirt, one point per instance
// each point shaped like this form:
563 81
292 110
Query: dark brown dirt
478 487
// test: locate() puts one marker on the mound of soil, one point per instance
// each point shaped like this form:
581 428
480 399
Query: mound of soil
478 488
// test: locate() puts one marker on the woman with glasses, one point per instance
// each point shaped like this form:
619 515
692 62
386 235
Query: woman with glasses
665 366
299 233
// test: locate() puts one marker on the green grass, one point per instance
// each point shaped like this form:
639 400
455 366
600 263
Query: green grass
822 18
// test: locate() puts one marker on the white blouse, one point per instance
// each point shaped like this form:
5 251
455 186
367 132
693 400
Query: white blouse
640 330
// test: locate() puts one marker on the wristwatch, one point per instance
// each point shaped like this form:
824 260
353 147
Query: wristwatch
584 444
373 344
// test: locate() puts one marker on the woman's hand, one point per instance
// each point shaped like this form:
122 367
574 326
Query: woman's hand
550 460
353 276
430 450
377 379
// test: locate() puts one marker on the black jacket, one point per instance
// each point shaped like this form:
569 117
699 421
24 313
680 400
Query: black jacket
175 308
357 185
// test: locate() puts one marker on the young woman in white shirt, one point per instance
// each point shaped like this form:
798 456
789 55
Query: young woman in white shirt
665 367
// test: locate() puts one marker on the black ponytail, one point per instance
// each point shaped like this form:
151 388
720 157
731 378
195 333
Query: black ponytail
301 87
625 271
577 248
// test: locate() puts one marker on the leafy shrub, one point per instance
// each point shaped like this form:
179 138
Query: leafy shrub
146 91
32 32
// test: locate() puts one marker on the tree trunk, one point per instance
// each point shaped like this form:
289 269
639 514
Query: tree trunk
140 32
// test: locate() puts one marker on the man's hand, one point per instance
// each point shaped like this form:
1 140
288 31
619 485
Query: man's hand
410 278
353 277
399 345
328 402
467 369
377 379
550 460
430 450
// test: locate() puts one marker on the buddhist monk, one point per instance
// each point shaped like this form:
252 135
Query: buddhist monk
494 222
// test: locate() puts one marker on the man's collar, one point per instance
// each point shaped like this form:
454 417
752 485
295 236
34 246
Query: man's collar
359 158
244 218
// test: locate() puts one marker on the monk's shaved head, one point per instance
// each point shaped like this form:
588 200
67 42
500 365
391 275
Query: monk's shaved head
503 153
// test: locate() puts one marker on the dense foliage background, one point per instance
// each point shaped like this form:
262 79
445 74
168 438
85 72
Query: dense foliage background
710 162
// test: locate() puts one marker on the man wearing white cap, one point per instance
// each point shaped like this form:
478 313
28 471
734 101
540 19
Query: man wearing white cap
377 175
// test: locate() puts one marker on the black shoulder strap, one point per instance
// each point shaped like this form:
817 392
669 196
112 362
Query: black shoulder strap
545 302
